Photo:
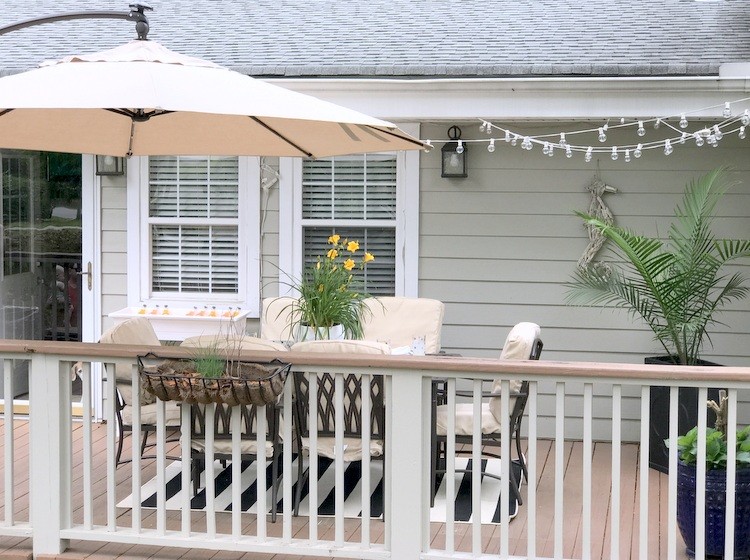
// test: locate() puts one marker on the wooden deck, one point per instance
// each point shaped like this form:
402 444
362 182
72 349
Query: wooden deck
13 548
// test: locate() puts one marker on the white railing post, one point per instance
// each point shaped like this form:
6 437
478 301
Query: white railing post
404 434
50 447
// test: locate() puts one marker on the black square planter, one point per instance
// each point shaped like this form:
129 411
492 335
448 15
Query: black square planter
687 415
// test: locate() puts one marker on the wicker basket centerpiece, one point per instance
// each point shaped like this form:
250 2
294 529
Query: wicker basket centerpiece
238 383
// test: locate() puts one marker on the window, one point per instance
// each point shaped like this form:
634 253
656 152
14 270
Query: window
354 196
372 198
197 229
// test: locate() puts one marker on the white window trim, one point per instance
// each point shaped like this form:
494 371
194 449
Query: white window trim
139 249
407 220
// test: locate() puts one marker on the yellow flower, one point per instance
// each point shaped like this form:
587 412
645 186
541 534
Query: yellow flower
352 246
332 254
348 264
317 266
334 239
320 288
369 257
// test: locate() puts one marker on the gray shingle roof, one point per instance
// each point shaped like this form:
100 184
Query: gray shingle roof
409 38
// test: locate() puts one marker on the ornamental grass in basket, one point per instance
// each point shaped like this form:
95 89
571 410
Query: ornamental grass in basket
212 375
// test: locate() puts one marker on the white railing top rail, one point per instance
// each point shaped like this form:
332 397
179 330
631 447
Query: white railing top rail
435 365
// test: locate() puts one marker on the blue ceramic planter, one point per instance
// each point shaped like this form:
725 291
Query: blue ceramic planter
715 511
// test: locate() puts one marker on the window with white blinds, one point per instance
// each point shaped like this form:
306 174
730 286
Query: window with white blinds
194 228
354 196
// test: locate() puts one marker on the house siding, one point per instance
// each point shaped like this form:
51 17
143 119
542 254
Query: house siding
498 246
114 257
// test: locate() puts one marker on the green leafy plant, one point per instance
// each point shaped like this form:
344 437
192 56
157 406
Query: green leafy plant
676 288
209 362
327 291
716 448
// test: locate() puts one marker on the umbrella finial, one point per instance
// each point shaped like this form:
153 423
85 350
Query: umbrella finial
137 15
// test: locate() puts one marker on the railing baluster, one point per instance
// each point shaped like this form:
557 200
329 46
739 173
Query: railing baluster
287 459
559 467
531 458
208 437
312 478
450 469
338 405
9 421
236 429
366 382
731 473
588 395
186 467
161 467
135 441
111 391
643 475
614 525
88 499
476 469
505 455
672 481
260 485
700 477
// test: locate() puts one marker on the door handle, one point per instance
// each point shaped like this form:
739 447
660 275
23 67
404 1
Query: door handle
88 274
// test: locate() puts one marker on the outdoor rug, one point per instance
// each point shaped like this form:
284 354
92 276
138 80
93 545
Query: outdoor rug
490 496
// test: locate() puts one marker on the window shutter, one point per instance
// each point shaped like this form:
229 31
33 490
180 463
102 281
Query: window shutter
202 257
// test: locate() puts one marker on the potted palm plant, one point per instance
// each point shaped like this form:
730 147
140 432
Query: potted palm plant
716 482
675 287
329 305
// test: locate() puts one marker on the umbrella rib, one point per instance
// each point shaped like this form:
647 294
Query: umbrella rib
371 130
284 138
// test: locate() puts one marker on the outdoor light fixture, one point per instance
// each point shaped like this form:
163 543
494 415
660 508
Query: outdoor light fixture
454 155
109 165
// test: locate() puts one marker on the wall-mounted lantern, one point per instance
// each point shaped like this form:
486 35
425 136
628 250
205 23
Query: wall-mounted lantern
109 165
454 155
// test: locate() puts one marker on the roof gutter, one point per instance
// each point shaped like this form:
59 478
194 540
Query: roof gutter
547 98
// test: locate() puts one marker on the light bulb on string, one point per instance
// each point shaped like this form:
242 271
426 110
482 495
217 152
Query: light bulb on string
551 150
668 149
615 155
657 123
489 128
711 140
641 130
745 119
727 110
741 134
460 147
589 154
545 148
622 120
514 140
638 151
491 146
563 142
526 144
683 137
627 156
718 133
602 136
683 121
568 152
481 126
698 139
507 135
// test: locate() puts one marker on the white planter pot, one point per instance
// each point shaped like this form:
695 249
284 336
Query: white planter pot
336 332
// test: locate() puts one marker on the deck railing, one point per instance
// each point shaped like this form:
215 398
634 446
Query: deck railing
74 491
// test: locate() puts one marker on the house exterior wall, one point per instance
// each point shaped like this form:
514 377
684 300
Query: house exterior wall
114 257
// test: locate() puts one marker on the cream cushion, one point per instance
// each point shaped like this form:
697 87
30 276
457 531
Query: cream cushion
224 446
518 346
148 414
399 320
342 346
352 447
276 317
234 342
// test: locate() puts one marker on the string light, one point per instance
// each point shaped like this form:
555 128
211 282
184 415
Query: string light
676 133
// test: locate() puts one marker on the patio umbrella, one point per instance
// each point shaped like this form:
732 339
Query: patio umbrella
143 99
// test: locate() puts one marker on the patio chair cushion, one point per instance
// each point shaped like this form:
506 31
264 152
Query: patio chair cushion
342 346
465 419
224 446
136 331
399 320
234 342
276 317
352 447
518 346
148 414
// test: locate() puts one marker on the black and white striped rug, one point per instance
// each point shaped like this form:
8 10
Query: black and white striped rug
490 495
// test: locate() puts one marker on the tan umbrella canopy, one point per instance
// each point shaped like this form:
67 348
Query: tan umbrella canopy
143 99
